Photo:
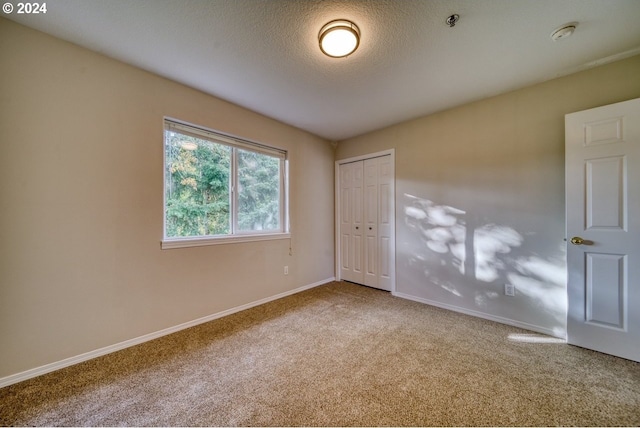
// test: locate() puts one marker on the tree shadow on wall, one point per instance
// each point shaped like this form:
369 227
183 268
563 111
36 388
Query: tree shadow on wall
470 258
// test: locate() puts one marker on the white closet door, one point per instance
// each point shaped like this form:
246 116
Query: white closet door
371 222
351 222
386 245
367 250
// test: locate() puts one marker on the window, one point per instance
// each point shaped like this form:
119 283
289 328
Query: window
220 189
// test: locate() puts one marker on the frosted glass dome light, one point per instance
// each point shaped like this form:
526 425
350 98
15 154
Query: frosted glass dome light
339 38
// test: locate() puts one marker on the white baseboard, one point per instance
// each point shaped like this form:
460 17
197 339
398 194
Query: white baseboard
501 320
38 371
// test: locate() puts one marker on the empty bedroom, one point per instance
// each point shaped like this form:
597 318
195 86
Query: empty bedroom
320 213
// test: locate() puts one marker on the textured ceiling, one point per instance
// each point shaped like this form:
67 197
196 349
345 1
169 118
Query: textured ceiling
264 55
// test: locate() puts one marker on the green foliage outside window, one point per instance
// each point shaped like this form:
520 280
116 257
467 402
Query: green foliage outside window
258 191
197 189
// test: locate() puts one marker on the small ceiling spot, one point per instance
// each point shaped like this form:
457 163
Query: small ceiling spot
451 20
564 31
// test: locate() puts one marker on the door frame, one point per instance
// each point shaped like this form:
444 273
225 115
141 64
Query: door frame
392 253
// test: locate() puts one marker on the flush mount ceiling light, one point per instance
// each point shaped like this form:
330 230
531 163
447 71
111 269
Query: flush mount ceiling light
339 38
563 32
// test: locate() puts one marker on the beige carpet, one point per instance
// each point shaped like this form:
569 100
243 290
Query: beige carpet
342 355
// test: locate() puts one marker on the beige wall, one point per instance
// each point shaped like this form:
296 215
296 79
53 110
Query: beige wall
81 191
480 197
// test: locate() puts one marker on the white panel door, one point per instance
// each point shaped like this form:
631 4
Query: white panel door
603 228
345 220
357 227
386 244
371 222
351 222
366 222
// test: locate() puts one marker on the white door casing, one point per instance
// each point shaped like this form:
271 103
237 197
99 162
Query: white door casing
365 242
603 228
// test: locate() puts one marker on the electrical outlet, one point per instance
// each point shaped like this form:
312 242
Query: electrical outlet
509 290
286 270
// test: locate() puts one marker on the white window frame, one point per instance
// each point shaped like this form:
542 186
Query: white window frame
235 143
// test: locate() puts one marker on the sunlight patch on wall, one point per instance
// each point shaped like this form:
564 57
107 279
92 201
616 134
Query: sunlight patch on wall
481 300
447 286
468 257
415 213
545 282
543 269
489 241
451 290
441 226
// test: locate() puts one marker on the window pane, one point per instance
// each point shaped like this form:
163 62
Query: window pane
197 186
258 191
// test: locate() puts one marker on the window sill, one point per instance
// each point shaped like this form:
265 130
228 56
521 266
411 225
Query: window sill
168 244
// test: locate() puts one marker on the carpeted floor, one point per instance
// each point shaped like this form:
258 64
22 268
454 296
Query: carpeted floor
336 355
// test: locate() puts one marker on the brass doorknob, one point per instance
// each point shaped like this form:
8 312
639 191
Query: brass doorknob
576 240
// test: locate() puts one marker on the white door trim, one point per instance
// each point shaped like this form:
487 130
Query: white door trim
392 253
